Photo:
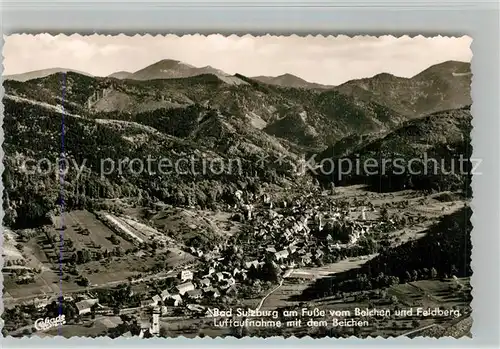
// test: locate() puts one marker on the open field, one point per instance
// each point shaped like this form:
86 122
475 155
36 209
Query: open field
86 231
184 225
47 279
132 265
331 268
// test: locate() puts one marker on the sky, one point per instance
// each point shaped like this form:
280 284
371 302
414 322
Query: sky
327 60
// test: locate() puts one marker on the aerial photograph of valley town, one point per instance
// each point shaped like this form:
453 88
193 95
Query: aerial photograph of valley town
217 186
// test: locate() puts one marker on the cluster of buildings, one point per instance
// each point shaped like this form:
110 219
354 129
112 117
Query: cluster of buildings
192 287
299 233
286 235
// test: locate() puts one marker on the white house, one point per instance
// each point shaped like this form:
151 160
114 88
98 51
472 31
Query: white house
40 303
230 282
156 299
319 253
85 305
155 323
147 303
205 282
219 276
164 294
174 300
283 254
186 275
185 287
271 249
306 259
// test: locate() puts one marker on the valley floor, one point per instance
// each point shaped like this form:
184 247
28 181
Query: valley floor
147 253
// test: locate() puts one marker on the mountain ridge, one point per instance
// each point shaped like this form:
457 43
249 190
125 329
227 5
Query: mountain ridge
433 89
289 80
41 73
275 80
311 119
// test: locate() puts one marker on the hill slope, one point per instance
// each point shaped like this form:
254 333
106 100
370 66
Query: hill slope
440 87
211 116
446 248
289 80
36 74
33 132
308 120
424 153
121 75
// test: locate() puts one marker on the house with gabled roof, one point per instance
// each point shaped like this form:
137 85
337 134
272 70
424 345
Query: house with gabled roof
318 253
212 292
195 294
84 306
283 254
164 294
205 282
156 299
186 275
254 263
185 287
219 276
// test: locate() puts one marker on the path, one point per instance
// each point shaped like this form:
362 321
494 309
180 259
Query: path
419 329
273 290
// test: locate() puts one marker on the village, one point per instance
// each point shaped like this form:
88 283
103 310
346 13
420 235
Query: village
279 239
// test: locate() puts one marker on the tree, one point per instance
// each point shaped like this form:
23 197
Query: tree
384 213
114 240
270 272
407 276
83 281
383 294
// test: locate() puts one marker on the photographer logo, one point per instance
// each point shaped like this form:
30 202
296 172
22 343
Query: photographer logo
47 323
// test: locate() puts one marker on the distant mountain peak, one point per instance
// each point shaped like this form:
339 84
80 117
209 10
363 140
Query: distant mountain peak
37 74
289 80
384 76
172 62
120 75
288 75
173 69
447 68
442 86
